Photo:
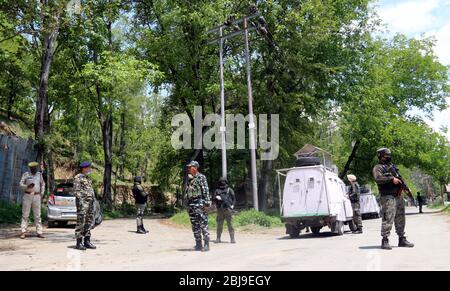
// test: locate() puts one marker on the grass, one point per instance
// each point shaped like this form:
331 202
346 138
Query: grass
11 213
129 210
244 218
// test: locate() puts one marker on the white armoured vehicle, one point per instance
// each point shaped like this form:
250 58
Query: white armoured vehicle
312 195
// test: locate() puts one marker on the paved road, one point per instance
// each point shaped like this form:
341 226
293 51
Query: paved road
169 248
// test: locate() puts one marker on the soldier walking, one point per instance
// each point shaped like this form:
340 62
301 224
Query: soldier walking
225 200
33 185
392 204
85 197
140 196
354 195
420 201
197 200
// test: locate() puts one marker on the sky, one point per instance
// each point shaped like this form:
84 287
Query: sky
418 18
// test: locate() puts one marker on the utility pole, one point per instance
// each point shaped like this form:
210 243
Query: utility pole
248 26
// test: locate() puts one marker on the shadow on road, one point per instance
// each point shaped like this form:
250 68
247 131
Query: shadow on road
370 248
309 236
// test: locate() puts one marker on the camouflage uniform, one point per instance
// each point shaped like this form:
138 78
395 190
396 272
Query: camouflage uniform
354 196
225 210
392 204
197 196
85 197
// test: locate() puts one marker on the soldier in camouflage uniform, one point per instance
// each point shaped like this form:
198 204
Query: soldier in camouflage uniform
392 204
197 200
85 197
354 195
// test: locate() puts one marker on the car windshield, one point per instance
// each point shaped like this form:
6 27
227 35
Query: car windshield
64 190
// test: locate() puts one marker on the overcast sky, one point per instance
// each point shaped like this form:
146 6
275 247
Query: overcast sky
416 18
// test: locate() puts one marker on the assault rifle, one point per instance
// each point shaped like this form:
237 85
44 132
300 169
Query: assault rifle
404 187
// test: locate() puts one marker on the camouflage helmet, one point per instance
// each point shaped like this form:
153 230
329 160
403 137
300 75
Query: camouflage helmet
194 164
382 152
223 180
138 179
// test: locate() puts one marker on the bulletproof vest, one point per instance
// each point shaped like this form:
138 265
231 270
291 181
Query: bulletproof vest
388 188
224 193
138 194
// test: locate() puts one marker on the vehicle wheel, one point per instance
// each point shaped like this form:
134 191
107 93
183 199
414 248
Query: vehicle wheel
307 161
62 223
338 227
293 231
51 224
316 229
352 225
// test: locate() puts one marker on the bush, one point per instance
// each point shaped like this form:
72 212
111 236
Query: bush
244 218
253 217
11 213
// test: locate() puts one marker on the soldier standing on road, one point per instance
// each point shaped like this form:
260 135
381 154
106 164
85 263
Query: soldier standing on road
354 195
140 196
225 200
392 204
420 201
197 200
85 197
33 185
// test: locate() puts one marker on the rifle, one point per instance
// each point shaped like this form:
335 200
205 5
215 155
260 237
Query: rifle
404 187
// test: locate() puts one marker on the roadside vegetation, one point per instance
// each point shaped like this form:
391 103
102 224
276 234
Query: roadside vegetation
241 219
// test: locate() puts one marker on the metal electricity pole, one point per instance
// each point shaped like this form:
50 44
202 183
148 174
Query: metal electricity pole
238 31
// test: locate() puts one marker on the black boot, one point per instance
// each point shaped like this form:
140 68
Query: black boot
358 231
206 246
385 244
140 230
80 245
232 240
218 240
144 230
404 243
88 244
198 245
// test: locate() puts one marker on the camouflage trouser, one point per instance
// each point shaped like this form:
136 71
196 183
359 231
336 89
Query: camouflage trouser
392 211
85 217
199 221
357 219
140 214
224 214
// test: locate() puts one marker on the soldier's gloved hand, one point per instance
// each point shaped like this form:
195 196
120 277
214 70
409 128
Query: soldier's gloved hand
232 206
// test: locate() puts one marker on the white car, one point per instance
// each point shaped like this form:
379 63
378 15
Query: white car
61 207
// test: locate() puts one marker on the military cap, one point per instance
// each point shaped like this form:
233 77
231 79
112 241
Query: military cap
85 165
138 179
33 164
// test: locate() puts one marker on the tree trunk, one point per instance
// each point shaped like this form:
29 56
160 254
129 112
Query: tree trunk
350 160
264 184
107 135
122 146
50 32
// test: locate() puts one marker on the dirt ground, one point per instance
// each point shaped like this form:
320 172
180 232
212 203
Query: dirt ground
169 247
